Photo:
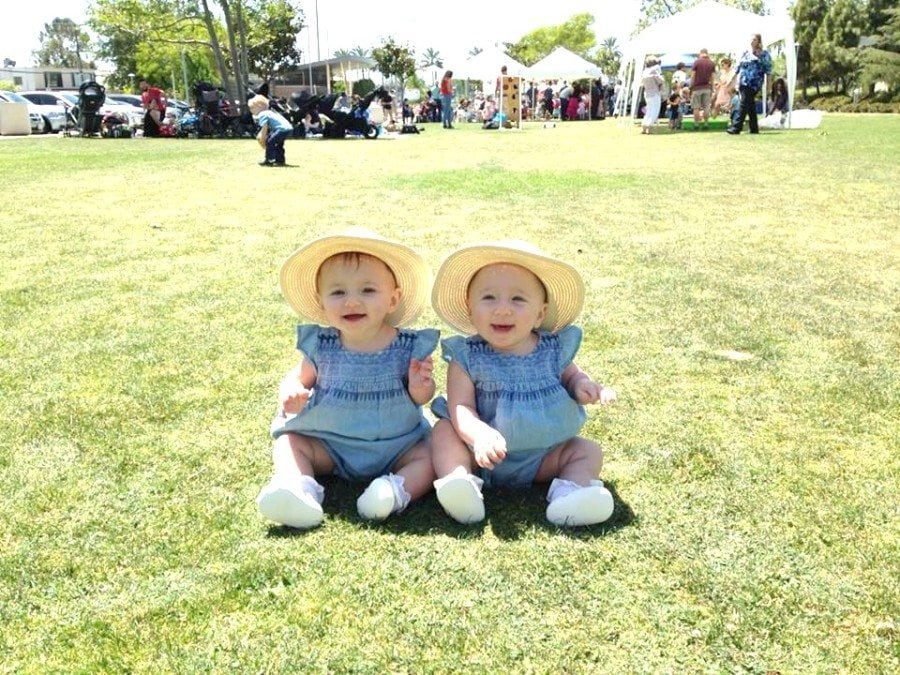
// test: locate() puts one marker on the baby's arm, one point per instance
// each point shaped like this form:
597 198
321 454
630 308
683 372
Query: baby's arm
488 444
583 389
421 383
296 388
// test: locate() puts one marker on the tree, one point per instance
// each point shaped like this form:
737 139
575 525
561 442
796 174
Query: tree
431 58
227 37
808 16
652 10
395 61
609 56
272 29
63 43
575 35
475 51
881 62
834 51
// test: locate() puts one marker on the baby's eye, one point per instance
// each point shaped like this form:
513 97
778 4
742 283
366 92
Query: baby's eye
488 296
336 293
369 290
520 298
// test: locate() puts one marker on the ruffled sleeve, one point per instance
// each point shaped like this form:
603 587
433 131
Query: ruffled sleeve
455 350
426 342
569 342
308 341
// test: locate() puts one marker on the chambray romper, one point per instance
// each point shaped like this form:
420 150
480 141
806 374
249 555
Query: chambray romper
360 406
522 397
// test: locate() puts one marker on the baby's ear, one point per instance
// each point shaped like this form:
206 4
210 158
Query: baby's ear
395 298
541 315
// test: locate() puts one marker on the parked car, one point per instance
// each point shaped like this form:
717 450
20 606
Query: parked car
34 117
46 97
52 115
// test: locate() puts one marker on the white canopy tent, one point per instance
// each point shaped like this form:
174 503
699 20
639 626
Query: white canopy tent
717 27
563 64
485 66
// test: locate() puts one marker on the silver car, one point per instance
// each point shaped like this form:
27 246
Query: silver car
49 118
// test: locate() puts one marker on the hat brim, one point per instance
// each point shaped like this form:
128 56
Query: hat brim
299 272
563 283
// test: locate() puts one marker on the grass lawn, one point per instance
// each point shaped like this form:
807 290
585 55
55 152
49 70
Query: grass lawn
742 299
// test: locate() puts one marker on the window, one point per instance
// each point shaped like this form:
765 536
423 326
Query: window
54 80
17 80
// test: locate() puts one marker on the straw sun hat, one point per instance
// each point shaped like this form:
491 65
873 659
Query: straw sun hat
565 289
299 272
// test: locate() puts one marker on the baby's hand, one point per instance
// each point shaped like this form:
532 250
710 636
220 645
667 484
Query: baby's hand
489 448
420 373
294 399
588 391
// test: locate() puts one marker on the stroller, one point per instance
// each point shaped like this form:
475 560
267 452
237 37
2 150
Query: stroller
91 97
355 122
215 116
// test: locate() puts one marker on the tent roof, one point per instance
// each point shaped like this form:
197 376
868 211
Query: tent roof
486 64
564 63
717 27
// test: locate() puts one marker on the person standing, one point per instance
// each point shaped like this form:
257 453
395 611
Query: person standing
701 88
154 103
752 69
447 99
652 81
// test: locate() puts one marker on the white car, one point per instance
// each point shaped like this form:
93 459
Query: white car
34 117
52 116
135 116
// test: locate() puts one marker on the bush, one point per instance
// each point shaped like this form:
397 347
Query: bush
878 103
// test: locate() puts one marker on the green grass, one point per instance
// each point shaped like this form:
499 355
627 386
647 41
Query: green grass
742 298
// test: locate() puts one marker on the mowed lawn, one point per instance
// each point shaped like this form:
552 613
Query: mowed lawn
742 297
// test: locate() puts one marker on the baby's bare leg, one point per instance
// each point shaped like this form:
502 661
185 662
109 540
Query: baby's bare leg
415 467
578 460
295 455
448 450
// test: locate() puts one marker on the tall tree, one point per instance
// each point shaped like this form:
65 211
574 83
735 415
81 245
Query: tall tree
575 35
396 61
609 56
881 62
63 44
272 29
431 58
834 51
808 16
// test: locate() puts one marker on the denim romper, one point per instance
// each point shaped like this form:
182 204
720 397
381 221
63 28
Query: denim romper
360 406
522 397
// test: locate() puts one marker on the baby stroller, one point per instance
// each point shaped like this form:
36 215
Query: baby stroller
340 123
91 97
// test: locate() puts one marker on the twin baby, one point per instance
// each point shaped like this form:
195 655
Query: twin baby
515 397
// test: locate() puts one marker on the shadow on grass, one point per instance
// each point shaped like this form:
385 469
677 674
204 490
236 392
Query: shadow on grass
511 514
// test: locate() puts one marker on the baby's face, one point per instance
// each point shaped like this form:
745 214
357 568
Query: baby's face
506 303
357 292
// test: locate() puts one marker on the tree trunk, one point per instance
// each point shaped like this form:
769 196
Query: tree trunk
245 60
240 85
217 48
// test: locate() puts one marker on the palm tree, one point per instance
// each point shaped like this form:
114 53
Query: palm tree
611 45
432 59
362 53
475 51
345 58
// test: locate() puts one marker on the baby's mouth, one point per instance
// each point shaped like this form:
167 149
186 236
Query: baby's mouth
354 317
501 327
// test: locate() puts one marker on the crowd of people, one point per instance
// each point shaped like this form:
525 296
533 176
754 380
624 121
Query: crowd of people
709 90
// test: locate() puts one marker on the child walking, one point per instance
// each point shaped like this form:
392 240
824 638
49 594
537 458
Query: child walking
515 397
273 128
353 406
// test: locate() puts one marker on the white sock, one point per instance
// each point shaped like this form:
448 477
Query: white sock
401 496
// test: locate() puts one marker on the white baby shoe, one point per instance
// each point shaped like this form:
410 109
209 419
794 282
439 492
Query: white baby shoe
384 496
459 492
573 505
296 503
